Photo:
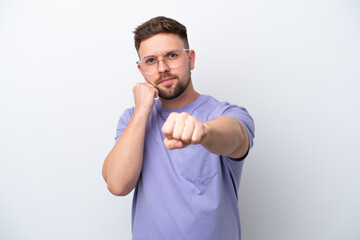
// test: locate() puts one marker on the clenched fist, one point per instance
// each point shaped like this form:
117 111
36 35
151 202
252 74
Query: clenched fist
144 97
182 129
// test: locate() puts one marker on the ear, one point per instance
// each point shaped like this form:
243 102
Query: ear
141 71
192 59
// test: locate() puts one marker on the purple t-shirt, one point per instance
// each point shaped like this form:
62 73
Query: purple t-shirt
186 193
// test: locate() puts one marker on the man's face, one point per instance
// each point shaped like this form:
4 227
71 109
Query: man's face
170 82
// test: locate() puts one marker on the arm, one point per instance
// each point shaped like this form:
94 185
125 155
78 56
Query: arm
224 135
122 167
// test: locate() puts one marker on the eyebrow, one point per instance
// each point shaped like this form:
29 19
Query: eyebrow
161 54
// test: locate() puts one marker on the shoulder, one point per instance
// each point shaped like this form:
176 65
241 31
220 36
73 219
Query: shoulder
220 108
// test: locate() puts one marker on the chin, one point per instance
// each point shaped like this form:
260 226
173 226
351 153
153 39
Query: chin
174 92
168 96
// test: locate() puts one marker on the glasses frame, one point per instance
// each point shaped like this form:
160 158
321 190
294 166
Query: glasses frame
158 59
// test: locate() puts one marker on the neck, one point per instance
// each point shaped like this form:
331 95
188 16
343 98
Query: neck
187 97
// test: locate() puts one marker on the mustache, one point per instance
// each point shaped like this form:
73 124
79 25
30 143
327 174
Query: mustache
165 75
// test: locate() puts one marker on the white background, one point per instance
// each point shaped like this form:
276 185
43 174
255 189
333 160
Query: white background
66 72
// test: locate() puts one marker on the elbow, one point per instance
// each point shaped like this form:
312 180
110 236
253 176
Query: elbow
118 190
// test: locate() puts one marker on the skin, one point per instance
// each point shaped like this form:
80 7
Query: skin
224 135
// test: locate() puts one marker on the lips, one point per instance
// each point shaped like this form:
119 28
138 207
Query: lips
167 80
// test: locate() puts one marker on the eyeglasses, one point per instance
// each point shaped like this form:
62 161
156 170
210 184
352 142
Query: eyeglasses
172 59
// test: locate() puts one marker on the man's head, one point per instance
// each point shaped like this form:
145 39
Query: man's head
160 25
159 42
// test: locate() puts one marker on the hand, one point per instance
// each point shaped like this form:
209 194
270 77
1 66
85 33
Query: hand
144 97
182 129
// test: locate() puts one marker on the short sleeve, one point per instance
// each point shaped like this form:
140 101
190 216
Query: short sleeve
123 122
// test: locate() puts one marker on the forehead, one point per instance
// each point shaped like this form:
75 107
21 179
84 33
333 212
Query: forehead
159 44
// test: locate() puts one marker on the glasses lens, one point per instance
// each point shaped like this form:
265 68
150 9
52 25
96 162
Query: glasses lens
173 58
149 64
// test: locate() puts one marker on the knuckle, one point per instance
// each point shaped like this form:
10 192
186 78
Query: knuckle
137 86
165 130
176 135
195 140
186 136
186 139
173 115
192 119
184 115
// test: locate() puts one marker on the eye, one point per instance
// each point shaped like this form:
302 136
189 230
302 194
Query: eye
150 60
172 55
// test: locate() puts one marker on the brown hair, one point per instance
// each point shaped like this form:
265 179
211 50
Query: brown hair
159 25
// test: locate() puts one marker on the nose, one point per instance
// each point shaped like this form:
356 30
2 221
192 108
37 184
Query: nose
162 66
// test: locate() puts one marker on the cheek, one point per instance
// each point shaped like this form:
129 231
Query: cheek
187 70
151 78
184 70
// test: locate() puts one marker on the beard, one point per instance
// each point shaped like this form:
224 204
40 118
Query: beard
179 88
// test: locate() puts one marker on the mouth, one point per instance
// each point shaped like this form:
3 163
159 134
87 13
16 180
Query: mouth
167 81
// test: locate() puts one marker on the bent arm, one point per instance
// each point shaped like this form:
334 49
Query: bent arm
122 167
227 136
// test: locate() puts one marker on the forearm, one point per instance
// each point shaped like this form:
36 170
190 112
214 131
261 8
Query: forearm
122 167
226 136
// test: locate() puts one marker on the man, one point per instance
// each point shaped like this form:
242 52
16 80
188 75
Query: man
182 151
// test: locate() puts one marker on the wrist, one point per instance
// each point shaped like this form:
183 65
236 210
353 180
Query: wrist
206 133
141 113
